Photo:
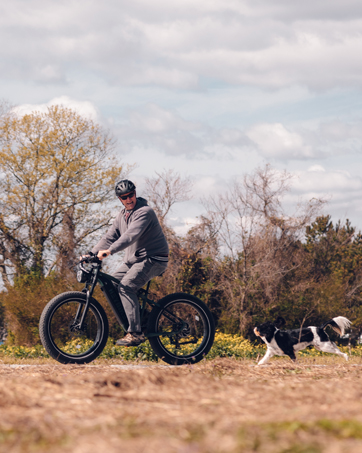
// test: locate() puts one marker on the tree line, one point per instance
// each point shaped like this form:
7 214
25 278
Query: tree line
250 260
248 257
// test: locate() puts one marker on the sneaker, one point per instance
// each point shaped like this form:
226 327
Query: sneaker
131 339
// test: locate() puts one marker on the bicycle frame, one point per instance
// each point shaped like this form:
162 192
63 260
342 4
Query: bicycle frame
108 285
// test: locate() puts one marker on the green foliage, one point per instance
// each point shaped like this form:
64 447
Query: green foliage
334 256
270 268
225 345
24 303
23 352
56 167
323 280
324 286
141 352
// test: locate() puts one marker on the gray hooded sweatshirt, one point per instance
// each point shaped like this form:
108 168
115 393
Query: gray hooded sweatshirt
141 234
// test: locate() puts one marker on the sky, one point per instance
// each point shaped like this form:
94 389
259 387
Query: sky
210 88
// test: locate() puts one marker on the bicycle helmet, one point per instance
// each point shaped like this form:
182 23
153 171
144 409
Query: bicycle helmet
123 187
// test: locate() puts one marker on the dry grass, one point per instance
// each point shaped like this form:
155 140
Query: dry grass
223 405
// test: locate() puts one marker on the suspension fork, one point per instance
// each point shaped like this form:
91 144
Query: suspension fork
89 295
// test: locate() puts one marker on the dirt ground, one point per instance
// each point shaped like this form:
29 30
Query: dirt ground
222 405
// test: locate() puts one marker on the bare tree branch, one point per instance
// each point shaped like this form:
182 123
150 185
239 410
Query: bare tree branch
166 190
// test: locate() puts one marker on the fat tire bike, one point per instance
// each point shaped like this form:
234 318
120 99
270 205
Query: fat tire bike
74 328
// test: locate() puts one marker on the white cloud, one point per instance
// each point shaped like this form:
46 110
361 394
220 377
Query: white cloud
316 168
209 88
324 140
150 127
175 44
336 183
205 186
341 190
181 225
154 119
84 108
275 141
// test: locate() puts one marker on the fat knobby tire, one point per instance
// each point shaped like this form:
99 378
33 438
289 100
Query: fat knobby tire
45 328
156 341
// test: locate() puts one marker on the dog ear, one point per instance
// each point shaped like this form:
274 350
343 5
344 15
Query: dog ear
279 322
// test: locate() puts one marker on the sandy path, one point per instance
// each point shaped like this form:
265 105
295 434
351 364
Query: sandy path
217 406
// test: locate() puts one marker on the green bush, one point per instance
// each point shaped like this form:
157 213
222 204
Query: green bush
224 346
24 303
142 352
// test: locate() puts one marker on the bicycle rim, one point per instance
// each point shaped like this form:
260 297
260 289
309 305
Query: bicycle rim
184 329
64 332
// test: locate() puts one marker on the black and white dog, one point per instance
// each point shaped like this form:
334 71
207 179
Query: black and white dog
288 342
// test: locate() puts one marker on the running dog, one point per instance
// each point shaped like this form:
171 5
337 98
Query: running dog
288 342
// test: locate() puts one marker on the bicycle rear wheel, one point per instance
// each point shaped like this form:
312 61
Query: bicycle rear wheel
60 333
181 329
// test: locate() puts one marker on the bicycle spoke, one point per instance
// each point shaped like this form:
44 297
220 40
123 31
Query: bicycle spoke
183 328
65 329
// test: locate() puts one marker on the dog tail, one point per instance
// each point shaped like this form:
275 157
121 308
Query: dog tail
339 324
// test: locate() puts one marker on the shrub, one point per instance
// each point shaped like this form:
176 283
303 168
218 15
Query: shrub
24 303
224 346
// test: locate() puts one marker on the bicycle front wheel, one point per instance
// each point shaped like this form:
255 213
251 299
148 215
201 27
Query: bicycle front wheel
181 329
60 331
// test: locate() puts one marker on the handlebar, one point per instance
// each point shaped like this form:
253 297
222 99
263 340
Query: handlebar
91 259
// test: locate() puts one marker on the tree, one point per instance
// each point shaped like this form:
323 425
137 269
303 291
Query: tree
4 110
261 241
166 190
188 269
335 255
56 169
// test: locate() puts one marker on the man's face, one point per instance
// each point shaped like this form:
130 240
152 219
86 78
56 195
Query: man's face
128 200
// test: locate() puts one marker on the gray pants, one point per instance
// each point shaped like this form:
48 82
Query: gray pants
132 278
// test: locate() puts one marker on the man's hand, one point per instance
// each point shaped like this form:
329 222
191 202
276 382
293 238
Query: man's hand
83 256
103 254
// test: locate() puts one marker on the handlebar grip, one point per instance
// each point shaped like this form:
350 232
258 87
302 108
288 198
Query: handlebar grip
90 259
104 255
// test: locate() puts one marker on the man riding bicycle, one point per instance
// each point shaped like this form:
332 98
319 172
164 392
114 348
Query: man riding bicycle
136 229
